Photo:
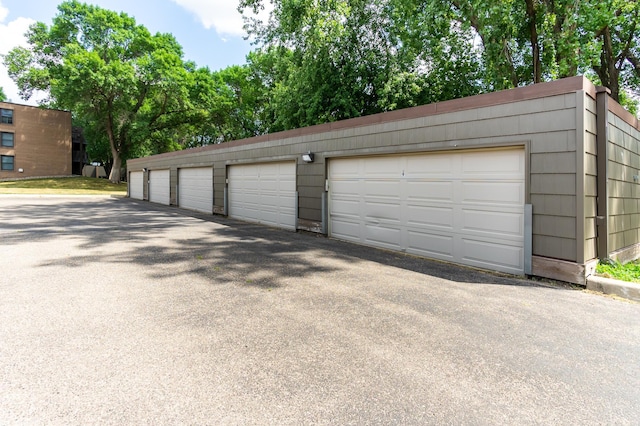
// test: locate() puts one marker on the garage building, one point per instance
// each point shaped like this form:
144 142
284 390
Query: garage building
505 181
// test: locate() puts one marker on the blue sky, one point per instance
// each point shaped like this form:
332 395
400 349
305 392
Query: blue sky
210 31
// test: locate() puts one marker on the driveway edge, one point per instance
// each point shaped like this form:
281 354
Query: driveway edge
611 286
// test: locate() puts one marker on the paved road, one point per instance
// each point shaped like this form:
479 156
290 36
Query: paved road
119 312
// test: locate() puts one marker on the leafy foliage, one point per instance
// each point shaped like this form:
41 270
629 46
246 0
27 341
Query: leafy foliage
332 60
339 59
629 272
131 90
111 73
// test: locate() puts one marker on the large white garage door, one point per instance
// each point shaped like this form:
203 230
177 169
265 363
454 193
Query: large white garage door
159 186
136 185
464 207
195 189
264 193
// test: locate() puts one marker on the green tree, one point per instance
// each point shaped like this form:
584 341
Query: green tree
519 41
610 32
530 41
337 59
340 58
244 99
271 69
3 97
130 85
349 58
229 103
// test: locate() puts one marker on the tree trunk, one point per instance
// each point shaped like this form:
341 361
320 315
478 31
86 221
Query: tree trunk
607 71
535 45
114 176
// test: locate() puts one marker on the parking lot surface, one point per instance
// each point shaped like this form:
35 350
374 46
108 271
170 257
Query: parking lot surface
114 311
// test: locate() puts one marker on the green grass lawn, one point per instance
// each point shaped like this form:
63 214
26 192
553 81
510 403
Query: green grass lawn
628 272
63 186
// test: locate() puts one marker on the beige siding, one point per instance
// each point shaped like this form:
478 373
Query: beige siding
624 183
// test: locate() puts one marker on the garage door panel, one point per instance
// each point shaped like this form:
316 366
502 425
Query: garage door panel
433 166
381 168
383 236
195 189
507 225
497 255
372 222
511 193
380 188
348 207
463 206
263 193
346 229
430 245
136 185
429 216
159 186
289 196
270 201
347 188
344 171
266 184
381 207
268 219
429 191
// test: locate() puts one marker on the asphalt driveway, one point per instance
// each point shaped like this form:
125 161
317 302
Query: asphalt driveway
114 311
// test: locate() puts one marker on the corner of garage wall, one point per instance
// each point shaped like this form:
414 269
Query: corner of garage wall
588 147
557 192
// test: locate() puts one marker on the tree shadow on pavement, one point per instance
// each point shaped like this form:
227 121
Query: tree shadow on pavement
221 249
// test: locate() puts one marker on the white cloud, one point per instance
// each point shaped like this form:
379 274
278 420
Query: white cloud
3 12
12 35
222 15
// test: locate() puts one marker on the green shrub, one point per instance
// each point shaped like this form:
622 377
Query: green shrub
628 272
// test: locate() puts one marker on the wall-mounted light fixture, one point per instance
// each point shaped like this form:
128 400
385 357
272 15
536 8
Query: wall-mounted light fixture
308 157
144 170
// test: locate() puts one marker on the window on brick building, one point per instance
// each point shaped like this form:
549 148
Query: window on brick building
7 140
6 162
6 116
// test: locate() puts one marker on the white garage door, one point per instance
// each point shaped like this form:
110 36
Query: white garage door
159 186
195 189
136 185
264 193
464 207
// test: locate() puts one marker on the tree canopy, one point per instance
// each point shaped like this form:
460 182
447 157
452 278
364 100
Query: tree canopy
346 58
130 89
113 74
315 61
331 60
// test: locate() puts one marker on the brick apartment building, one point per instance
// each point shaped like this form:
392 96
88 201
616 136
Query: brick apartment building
34 141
